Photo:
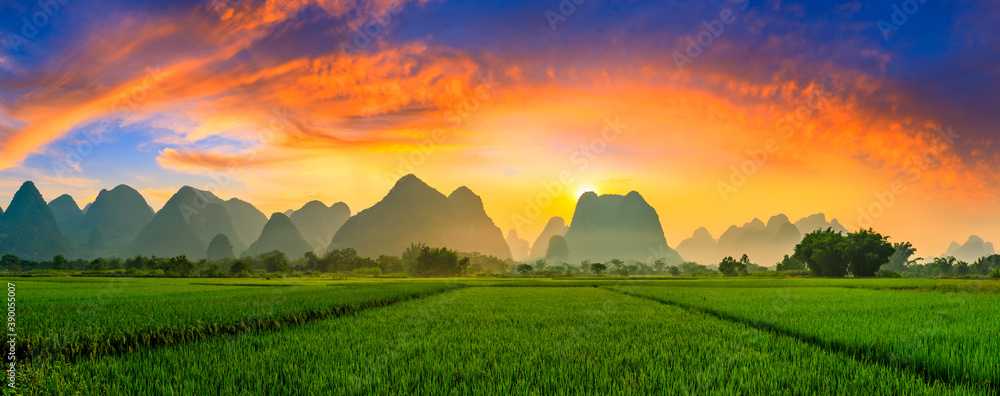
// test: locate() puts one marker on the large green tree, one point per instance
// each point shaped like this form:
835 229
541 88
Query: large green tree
438 262
823 253
866 251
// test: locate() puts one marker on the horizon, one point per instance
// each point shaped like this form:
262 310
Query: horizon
856 115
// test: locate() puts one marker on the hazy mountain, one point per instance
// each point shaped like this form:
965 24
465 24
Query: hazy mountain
617 227
279 234
818 222
474 229
120 213
319 223
218 221
220 248
555 226
973 249
67 213
558 250
184 226
766 244
700 247
413 212
29 229
248 220
518 247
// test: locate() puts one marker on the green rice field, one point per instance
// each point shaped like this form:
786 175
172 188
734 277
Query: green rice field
508 336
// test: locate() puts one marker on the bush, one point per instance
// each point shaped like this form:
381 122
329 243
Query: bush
887 274
995 274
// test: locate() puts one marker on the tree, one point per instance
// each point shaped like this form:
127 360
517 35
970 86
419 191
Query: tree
410 256
389 264
240 267
962 268
598 268
901 257
744 265
673 270
984 265
790 264
943 266
59 263
659 265
275 261
180 265
866 251
728 266
823 253
10 262
524 269
440 262
97 265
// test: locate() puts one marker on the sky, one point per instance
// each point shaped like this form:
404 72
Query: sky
880 114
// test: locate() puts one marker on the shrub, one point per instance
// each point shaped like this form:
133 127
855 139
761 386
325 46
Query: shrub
887 274
995 274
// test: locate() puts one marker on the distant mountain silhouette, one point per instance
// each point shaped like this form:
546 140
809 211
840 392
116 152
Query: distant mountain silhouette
413 212
474 229
558 250
279 234
555 226
818 222
220 248
700 247
972 250
120 213
617 227
184 226
248 220
766 244
67 213
29 229
319 223
518 247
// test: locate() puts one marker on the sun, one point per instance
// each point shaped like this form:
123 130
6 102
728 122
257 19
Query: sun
583 188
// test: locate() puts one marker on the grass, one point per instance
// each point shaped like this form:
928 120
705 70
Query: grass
944 336
121 315
520 340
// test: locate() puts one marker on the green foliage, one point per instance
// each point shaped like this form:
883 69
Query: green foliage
440 262
598 268
829 253
10 262
729 266
60 263
866 251
524 269
887 274
822 251
673 270
995 274
240 267
901 256
790 264
984 265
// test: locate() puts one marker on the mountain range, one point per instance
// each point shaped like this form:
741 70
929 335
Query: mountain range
972 250
765 244
120 222
414 212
